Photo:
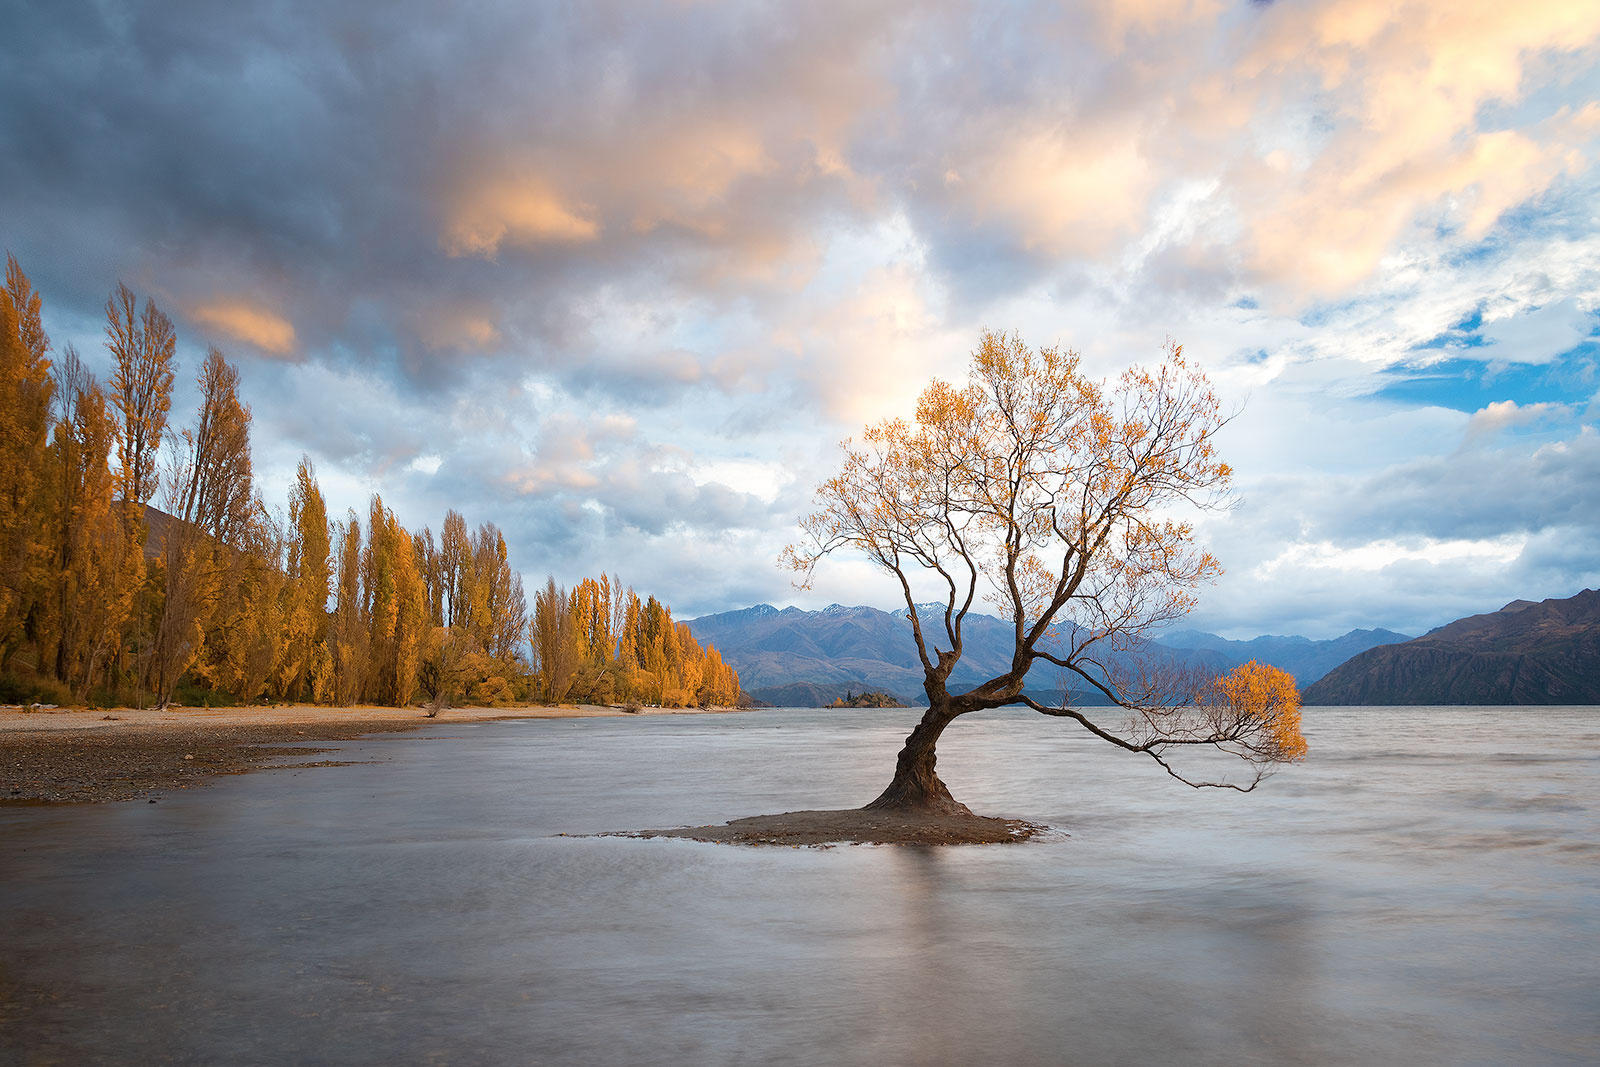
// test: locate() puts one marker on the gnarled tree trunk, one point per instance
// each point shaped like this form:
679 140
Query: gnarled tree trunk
916 785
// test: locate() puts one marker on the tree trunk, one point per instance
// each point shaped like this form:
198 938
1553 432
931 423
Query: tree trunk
916 787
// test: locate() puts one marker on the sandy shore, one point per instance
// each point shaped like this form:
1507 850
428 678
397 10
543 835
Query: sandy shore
76 755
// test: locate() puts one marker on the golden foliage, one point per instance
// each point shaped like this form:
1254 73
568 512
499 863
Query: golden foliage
1262 704
25 393
225 598
602 644
308 570
141 388
97 569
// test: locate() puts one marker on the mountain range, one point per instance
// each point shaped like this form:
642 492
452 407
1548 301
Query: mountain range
793 658
1525 653
1302 657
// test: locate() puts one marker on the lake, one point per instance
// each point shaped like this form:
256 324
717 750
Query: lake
1425 888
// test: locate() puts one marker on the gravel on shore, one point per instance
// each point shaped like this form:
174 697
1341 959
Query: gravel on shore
78 766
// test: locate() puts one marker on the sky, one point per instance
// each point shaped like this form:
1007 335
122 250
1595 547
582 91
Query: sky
620 277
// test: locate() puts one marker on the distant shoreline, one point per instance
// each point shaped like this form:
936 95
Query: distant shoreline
88 756
15 717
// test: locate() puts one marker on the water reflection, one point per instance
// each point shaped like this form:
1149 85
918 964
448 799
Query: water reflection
1411 892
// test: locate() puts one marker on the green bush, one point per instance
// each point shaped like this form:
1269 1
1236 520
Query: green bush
15 689
193 695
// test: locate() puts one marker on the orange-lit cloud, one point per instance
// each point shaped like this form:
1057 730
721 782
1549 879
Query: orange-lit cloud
244 320
1064 193
502 211
1402 89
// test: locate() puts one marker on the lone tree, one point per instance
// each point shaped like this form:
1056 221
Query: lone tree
1053 497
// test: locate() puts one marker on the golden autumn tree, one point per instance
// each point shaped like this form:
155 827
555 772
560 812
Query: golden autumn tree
501 607
554 641
25 490
248 629
455 570
1054 497
395 609
240 546
412 623
97 570
142 345
594 604
347 642
216 493
304 667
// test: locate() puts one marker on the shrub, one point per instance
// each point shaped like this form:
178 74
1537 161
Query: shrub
15 689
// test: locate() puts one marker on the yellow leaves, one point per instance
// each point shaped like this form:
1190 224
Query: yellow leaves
25 392
1266 700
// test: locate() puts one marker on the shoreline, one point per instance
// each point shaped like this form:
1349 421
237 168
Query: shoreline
89 756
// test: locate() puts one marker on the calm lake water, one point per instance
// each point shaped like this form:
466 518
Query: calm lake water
1425 889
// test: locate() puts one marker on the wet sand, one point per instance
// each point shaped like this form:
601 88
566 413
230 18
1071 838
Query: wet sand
76 755
856 826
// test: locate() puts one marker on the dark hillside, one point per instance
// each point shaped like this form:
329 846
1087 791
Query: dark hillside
1525 653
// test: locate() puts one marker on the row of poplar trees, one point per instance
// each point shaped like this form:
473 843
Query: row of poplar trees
105 596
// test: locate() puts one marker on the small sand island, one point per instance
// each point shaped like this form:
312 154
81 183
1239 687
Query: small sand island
858 826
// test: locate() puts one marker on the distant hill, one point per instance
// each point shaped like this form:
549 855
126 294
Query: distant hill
1302 657
791 657
1525 653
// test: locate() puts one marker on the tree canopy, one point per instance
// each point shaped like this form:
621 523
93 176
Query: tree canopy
1060 501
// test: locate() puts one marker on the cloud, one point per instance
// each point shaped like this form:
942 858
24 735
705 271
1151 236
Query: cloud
1538 334
1063 193
1394 133
1414 540
458 325
245 321
1507 414
518 213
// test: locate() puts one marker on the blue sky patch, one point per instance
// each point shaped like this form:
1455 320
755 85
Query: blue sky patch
1465 384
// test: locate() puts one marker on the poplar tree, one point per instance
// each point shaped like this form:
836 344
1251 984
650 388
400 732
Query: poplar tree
217 494
455 568
347 633
553 635
304 666
96 573
25 394
141 347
